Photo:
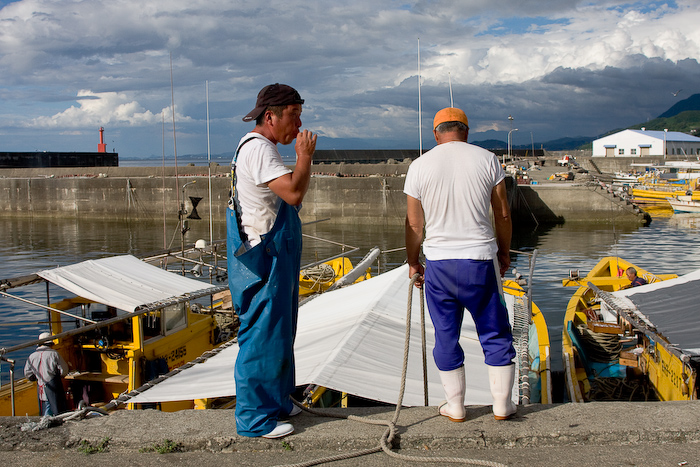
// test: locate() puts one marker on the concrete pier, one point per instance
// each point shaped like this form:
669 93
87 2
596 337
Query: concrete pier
590 434
345 193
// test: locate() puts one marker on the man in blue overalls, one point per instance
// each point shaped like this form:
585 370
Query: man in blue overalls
264 256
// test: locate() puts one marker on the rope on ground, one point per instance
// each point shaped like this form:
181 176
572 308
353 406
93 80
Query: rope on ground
388 436
49 421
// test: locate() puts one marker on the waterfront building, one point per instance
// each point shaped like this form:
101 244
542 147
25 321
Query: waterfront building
646 143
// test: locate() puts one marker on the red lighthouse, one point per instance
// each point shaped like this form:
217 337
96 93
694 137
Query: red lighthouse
102 147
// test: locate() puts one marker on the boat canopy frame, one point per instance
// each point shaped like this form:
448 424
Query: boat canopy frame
639 322
142 310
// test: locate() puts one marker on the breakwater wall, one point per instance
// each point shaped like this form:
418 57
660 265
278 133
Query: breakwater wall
343 193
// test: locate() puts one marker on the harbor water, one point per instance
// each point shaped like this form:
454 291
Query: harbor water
670 244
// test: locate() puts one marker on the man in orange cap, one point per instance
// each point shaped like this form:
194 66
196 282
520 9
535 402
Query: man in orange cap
449 192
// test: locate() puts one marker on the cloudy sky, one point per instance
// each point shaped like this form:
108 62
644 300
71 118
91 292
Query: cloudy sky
561 68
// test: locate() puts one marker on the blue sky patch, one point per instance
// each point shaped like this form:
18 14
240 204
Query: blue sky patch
645 7
522 25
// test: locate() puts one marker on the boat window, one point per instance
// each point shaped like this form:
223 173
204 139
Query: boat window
151 324
175 317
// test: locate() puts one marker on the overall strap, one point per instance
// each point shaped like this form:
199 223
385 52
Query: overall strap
233 199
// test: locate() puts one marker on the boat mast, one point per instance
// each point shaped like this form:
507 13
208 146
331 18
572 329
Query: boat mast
165 228
449 79
181 211
172 111
211 222
420 112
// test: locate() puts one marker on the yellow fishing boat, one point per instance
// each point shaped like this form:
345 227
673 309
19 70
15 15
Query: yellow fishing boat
128 323
319 278
656 193
531 340
669 180
351 343
131 322
617 341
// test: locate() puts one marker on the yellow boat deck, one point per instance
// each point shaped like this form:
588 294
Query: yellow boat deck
640 356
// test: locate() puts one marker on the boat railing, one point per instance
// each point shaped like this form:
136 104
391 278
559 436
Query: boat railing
522 318
12 381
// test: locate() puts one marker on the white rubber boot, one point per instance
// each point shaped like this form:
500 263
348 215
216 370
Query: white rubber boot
501 380
455 386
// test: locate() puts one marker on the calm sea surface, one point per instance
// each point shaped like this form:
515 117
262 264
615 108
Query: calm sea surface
668 245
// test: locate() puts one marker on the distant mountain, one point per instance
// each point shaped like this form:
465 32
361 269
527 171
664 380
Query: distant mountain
490 144
687 121
684 116
565 144
561 144
691 103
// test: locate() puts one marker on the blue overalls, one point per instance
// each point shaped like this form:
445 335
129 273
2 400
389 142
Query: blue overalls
264 283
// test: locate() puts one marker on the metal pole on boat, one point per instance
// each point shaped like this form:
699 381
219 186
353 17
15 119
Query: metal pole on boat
12 381
47 308
183 224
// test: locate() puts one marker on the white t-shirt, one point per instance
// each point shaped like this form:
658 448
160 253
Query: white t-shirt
259 162
454 182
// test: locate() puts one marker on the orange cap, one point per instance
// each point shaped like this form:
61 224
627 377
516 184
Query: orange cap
450 114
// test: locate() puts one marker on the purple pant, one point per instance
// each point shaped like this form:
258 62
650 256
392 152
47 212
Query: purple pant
455 284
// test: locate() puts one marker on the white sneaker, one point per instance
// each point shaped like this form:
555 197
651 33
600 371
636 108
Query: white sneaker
296 410
282 429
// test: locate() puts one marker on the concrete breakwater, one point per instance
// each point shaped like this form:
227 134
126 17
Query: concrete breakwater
357 193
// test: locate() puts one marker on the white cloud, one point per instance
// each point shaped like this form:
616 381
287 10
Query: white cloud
355 63
106 108
593 37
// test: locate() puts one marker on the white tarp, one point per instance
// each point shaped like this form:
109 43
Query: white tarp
671 306
350 340
124 282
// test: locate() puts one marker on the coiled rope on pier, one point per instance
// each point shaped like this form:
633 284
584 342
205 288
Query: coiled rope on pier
390 433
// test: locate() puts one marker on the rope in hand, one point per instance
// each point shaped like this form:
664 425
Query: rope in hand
388 436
